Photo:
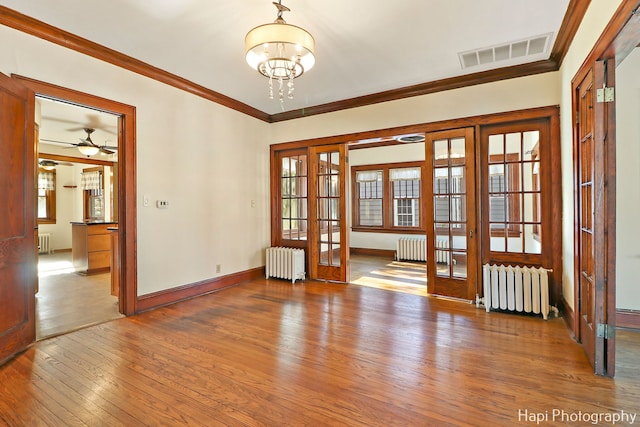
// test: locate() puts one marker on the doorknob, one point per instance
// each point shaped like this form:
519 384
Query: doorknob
470 233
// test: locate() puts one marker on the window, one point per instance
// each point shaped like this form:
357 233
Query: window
46 196
387 197
369 188
92 183
514 192
504 182
449 200
406 196
293 196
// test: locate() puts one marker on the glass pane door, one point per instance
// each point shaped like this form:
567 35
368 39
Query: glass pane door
450 210
329 246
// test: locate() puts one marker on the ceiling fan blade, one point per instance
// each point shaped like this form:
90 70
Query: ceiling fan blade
106 150
58 142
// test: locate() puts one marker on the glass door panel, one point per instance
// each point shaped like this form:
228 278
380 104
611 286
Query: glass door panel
293 199
328 253
450 211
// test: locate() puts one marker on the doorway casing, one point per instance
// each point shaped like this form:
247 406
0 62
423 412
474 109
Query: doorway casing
126 178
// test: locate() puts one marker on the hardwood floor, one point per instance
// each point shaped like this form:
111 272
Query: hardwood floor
270 353
66 301
382 273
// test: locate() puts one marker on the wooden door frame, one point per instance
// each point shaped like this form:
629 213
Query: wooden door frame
548 112
127 229
618 39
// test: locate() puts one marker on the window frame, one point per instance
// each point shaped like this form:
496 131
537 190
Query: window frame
357 192
514 215
89 197
387 199
277 236
296 199
545 212
50 200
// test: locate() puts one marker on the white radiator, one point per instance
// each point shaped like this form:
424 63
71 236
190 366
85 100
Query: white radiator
285 263
411 249
442 257
44 243
518 289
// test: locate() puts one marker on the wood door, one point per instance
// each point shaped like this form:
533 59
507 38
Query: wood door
18 246
595 220
328 243
450 213
584 218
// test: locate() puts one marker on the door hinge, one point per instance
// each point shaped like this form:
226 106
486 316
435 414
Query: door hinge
605 94
605 331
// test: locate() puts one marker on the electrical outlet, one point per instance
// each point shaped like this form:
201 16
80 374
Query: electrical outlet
218 268
162 204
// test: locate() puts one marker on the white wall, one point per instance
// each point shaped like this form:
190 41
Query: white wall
597 17
628 182
527 92
207 161
68 207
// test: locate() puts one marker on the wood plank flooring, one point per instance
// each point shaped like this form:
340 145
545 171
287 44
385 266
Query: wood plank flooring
268 353
381 273
67 301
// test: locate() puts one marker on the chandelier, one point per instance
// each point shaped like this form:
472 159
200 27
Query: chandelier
280 52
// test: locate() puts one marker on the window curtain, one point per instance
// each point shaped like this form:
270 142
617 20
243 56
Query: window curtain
404 174
45 181
91 180
368 176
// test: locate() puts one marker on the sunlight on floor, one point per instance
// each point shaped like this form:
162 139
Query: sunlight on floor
395 276
52 265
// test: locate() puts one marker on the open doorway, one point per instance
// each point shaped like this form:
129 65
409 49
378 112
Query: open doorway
77 209
388 244
627 173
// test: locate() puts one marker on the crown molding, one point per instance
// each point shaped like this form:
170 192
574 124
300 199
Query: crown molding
422 89
34 27
572 19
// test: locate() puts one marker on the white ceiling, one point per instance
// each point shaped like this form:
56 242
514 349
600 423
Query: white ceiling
362 47
63 124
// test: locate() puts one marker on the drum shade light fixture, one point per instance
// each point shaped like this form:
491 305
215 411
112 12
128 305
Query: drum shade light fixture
280 52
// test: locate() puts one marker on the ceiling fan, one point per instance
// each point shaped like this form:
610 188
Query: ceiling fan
89 145
50 164
86 146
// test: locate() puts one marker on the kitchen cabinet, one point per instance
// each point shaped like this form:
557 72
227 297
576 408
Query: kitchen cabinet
91 247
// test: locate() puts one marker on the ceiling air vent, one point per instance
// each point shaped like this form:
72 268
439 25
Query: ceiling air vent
513 50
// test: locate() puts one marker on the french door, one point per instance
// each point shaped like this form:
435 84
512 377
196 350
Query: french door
450 213
328 243
595 221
